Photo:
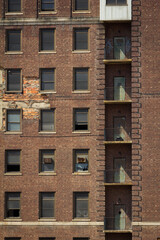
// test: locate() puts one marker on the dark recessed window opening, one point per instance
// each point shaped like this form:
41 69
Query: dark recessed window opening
81 39
47 120
116 2
81 119
12 205
81 160
81 78
47 39
47 5
12 160
47 205
47 79
14 5
81 5
13 80
13 120
47 160
13 40
81 204
12 238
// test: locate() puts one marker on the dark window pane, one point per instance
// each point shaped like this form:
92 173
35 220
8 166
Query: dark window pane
13 120
81 39
12 204
14 40
121 2
81 204
12 160
13 79
81 119
81 79
81 5
47 205
47 39
14 5
47 120
47 5
47 160
111 2
10 238
47 79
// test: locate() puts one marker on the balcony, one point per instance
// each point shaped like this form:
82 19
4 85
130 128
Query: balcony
119 176
117 51
114 11
117 135
118 224
117 95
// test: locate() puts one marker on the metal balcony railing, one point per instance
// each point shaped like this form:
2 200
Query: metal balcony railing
117 94
117 134
119 175
117 223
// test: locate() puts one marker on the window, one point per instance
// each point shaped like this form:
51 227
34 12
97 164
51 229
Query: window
80 238
47 163
46 205
47 40
119 47
47 79
47 5
81 160
12 204
13 80
13 40
116 2
81 204
81 119
47 120
14 5
13 120
48 238
81 39
12 160
81 5
12 238
81 79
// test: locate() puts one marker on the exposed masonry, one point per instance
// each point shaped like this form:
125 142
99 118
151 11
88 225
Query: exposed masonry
101 123
136 125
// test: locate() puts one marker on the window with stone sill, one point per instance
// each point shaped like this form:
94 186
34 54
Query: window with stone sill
47 5
81 119
47 120
81 5
81 163
47 162
12 205
14 6
81 204
13 120
12 158
47 200
13 41
81 79
13 80
47 79
81 39
47 39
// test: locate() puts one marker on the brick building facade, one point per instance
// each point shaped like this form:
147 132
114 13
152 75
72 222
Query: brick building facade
79 129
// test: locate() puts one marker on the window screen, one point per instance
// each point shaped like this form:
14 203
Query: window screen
47 120
81 160
12 205
47 5
13 40
81 5
14 5
12 160
81 205
47 39
13 80
81 119
81 39
47 205
47 160
47 79
13 120
81 78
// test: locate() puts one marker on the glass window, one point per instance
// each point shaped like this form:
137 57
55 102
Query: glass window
12 160
81 205
47 205
81 119
13 80
47 160
14 5
81 78
12 204
14 40
47 39
119 47
81 39
116 2
13 120
81 5
81 160
47 120
47 79
47 5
